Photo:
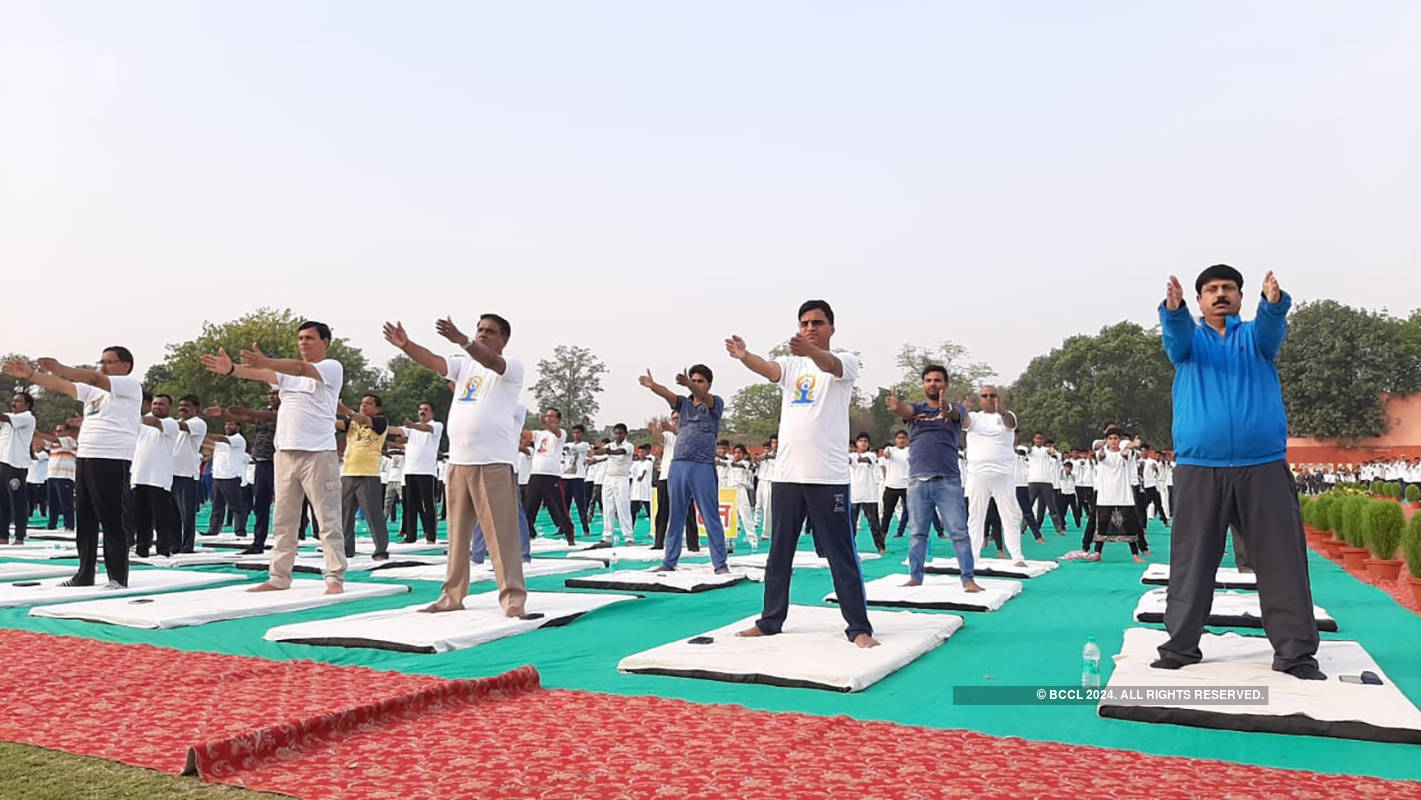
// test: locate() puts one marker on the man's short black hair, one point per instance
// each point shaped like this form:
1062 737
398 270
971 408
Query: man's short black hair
723 443
703 371
426 403
29 399
1115 430
938 368
899 432
1215 273
503 326
374 398
810 305
579 427
147 396
863 435
122 354
619 427
322 329
168 397
190 399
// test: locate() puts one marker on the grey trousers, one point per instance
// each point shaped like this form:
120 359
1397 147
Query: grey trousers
1259 502
366 493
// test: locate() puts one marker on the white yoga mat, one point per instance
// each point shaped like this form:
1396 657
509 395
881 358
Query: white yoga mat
184 609
552 544
1230 609
140 581
40 552
810 652
937 592
1224 578
23 572
683 581
1313 708
803 559
48 535
484 572
200 558
316 565
412 631
990 567
638 553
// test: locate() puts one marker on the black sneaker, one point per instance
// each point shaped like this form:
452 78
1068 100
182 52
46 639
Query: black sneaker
251 551
76 582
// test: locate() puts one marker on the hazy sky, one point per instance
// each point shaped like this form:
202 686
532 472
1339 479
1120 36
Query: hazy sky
646 178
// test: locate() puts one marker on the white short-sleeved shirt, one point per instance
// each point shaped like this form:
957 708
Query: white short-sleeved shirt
187 448
153 456
39 469
525 468
641 480
814 420
1112 479
575 458
111 419
307 421
485 416
547 452
15 439
61 458
229 459
422 447
862 486
739 475
895 462
1040 464
989 445
618 467
767 469
668 452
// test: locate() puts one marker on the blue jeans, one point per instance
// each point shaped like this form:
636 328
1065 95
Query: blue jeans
827 506
693 480
479 551
943 495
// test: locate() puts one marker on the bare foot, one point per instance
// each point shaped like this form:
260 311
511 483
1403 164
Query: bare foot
438 607
265 587
1019 564
335 588
912 582
865 641
1139 560
971 586
514 612
753 630
660 568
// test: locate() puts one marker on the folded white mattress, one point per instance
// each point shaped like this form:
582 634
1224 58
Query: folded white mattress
410 630
1312 708
140 581
937 592
637 552
803 559
484 572
1230 609
811 651
685 580
40 552
990 567
201 558
1224 578
29 571
552 544
316 565
184 609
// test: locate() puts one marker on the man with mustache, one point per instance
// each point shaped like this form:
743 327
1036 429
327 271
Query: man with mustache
1230 439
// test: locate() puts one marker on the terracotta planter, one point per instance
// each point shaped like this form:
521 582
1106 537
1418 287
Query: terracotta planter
1415 584
1383 570
1416 503
1332 548
1353 558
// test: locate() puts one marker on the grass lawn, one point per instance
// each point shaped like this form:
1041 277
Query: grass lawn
38 774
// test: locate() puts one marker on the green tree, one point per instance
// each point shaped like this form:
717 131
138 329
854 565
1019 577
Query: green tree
755 411
409 385
274 331
1121 375
1336 363
570 381
963 374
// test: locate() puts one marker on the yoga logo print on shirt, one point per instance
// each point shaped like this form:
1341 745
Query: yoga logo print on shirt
94 405
471 389
804 387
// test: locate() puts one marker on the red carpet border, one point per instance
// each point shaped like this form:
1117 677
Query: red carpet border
322 732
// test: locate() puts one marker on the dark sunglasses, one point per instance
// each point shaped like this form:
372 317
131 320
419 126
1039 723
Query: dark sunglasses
987 395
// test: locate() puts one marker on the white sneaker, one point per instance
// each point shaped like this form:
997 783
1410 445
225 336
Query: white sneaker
112 584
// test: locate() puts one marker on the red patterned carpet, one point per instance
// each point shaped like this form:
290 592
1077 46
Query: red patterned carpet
318 731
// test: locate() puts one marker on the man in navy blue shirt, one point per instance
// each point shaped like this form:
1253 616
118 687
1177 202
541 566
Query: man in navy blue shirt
692 476
934 480
1230 441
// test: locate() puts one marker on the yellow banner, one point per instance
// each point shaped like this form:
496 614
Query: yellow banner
729 513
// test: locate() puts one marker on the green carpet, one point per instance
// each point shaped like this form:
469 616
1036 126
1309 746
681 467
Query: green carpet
1036 639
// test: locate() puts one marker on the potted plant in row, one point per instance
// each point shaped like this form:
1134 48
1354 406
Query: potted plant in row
1354 532
1384 525
1411 549
1333 519
1413 495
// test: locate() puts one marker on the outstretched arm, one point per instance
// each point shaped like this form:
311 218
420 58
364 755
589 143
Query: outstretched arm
799 345
222 364
903 410
20 368
1176 325
660 391
446 328
1270 325
768 370
395 335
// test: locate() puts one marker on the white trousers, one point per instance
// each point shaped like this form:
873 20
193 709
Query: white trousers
617 502
762 507
982 488
746 513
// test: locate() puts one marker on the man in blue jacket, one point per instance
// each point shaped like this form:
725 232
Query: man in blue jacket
1230 440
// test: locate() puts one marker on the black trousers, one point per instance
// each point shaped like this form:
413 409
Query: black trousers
1258 502
1043 499
891 499
574 491
1028 517
227 495
263 493
828 506
1152 495
869 510
14 502
545 491
595 503
100 489
1085 495
61 502
39 498
154 512
185 495
419 507
640 505
994 526
1103 523
663 512
1069 501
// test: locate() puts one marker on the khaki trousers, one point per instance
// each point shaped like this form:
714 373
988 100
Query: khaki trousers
315 476
485 494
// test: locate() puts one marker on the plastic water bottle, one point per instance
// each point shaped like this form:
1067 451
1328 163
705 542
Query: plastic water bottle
1090 664
612 560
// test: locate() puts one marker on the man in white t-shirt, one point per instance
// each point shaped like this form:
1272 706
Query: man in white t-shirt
306 464
811 470
992 469
108 436
422 439
60 485
895 482
863 490
229 466
35 479
152 479
642 482
545 476
485 422
574 476
187 465
764 502
616 485
17 433
668 433
740 476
